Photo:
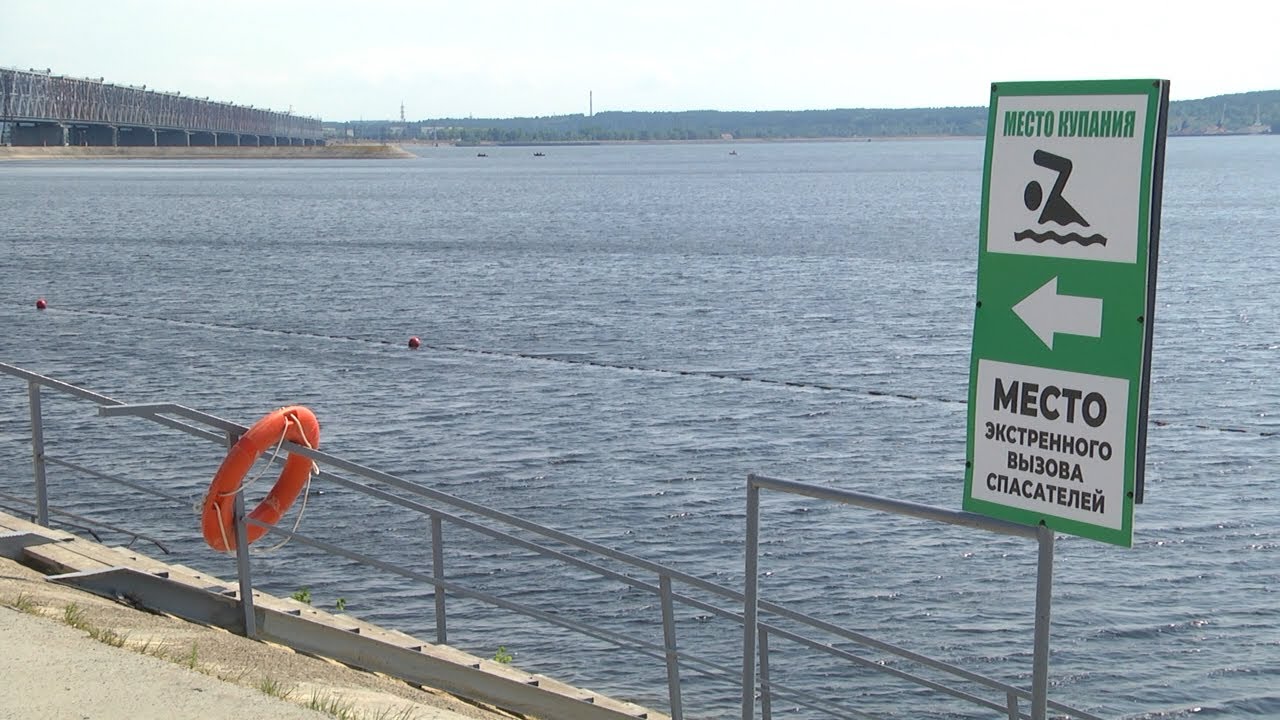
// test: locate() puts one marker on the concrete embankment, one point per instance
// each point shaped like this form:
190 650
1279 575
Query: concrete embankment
65 599
324 152
67 653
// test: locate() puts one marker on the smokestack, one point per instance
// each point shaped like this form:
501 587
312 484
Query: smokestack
591 104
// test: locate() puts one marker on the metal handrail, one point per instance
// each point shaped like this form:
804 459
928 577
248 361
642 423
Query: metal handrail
223 432
1044 580
80 523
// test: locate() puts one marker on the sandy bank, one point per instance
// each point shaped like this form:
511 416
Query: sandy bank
173 668
325 152
61 667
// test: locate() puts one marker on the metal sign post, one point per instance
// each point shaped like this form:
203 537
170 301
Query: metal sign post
1061 356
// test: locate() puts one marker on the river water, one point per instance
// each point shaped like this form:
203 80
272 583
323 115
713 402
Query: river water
614 337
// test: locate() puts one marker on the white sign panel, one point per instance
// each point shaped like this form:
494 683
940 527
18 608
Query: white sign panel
1055 189
1051 441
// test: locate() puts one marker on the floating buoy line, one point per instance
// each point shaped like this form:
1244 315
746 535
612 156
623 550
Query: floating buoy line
416 343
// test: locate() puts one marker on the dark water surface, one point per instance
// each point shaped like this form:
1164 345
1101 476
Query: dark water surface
578 309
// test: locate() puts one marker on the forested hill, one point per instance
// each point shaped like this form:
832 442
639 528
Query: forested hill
1253 112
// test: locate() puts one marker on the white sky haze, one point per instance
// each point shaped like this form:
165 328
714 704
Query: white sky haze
502 58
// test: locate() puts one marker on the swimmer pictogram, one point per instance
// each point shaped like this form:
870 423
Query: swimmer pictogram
1055 208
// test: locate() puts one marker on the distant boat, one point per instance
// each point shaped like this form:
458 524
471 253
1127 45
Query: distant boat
481 155
733 152
539 154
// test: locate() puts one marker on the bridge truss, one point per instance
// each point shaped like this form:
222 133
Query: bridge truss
42 108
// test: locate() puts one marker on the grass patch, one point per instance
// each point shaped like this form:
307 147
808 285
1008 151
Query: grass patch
151 647
270 686
192 659
108 636
23 603
340 709
74 616
332 705
236 677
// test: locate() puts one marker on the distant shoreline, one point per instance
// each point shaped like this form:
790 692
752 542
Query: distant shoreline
396 151
295 152
693 141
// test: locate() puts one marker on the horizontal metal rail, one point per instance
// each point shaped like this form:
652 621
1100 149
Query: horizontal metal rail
182 502
895 507
1037 695
84 523
103 400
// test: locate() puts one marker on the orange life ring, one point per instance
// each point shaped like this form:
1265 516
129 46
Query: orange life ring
294 423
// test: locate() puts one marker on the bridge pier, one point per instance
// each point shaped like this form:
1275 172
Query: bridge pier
172 138
92 135
128 136
37 134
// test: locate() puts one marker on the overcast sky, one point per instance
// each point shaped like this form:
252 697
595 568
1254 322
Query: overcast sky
506 58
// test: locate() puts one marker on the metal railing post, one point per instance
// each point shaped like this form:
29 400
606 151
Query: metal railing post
241 529
669 644
766 695
1011 702
1044 596
749 609
437 572
242 568
37 453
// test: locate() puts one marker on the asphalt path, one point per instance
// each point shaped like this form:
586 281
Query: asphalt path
169 668
51 671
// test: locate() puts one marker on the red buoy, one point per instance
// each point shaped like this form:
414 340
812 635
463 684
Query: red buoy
414 343
41 304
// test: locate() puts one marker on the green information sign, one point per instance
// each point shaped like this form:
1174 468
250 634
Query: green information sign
1061 359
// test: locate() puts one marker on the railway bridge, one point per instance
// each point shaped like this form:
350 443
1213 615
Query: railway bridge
39 108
